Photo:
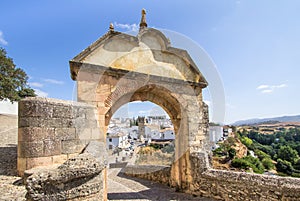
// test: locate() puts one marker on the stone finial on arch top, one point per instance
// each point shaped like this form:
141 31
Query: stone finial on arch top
149 52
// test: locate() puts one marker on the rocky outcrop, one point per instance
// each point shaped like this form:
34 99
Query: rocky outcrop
78 178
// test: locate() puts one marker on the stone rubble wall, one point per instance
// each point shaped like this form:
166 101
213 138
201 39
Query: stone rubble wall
51 131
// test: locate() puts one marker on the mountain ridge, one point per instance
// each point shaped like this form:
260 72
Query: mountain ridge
292 118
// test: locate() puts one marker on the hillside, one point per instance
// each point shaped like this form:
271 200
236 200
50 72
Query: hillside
295 118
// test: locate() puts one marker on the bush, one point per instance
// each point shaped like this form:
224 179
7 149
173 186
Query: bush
168 149
219 152
268 163
247 141
284 166
248 162
231 153
261 155
287 153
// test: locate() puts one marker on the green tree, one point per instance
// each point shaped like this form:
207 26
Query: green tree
248 162
284 166
13 80
246 141
288 154
268 163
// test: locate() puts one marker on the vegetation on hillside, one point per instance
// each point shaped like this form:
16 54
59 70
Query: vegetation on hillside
278 151
13 80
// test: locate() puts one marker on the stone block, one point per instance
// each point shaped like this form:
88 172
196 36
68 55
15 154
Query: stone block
84 133
79 178
52 147
30 149
38 161
35 109
63 111
72 146
30 134
59 159
65 133
21 166
96 134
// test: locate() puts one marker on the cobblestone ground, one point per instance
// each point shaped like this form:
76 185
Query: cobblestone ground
123 188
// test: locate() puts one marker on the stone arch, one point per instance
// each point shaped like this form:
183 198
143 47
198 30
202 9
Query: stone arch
119 68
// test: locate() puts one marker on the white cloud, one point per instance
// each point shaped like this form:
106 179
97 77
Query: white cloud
281 86
2 40
40 93
263 86
36 84
128 27
52 81
267 89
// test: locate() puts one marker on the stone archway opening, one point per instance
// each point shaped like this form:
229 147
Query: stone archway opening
141 133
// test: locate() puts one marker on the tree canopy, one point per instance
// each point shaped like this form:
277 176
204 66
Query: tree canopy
13 80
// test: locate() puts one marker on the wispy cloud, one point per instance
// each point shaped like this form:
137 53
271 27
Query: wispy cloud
143 111
128 27
267 89
40 93
52 81
2 40
263 86
36 84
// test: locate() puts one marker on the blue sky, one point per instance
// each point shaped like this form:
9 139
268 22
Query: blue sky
255 45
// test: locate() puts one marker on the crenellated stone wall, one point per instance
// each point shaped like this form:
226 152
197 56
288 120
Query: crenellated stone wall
52 131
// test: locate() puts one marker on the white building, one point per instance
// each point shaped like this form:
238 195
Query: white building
116 140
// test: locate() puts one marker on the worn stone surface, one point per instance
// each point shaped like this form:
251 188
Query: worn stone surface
229 185
78 177
159 174
50 129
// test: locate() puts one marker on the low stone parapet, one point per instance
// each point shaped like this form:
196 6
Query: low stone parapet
155 173
230 185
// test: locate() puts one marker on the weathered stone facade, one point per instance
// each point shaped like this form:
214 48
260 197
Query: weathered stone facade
51 131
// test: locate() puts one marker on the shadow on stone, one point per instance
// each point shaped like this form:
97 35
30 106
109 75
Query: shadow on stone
8 158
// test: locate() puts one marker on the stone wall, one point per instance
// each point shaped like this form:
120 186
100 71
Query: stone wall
229 185
222 184
155 173
51 131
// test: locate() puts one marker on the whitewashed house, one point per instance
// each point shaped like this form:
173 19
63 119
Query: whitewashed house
116 140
